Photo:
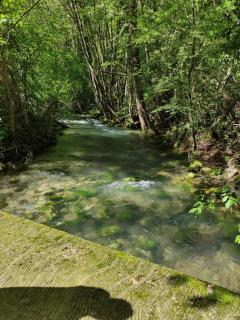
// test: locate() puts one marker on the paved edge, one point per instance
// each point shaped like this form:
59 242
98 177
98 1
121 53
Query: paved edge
49 274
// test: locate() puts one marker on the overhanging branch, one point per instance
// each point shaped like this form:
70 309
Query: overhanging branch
25 13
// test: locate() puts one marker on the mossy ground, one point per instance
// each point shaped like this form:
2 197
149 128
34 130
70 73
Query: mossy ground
49 274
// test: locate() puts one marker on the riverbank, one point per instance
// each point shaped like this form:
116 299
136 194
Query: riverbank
31 139
216 171
46 273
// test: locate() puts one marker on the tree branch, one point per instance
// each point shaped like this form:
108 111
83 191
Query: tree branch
25 13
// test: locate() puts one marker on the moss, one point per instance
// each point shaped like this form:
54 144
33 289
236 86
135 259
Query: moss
106 177
82 215
229 230
71 197
177 279
217 171
115 246
141 295
223 296
81 193
111 230
126 257
164 194
55 198
85 193
199 286
3 202
147 244
45 206
181 236
206 170
219 296
196 166
125 216
131 188
70 217
190 175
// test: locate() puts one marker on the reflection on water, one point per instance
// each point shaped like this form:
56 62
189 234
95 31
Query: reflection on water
115 187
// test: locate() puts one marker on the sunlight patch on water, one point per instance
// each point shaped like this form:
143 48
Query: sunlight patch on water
82 121
143 184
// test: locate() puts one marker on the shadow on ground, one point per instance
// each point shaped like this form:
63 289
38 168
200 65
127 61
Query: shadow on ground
44 303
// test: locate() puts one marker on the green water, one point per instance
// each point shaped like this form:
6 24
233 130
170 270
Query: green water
117 188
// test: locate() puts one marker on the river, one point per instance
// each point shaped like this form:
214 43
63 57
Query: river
123 190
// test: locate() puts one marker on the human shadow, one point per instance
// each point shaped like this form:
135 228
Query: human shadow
49 303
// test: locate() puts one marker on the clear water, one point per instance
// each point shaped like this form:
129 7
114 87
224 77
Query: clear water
117 188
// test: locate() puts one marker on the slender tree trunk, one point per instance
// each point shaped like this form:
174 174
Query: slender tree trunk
95 40
7 93
134 67
190 78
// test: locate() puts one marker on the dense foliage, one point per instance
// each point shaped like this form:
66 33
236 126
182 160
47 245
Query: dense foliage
42 72
171 66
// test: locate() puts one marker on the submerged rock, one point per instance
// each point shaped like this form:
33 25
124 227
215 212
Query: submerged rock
108 231
70 217
147 243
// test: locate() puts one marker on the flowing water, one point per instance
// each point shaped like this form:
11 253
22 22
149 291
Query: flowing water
117 188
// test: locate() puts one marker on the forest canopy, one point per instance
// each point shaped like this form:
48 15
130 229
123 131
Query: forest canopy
169 67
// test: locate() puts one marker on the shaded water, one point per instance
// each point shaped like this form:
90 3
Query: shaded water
117 188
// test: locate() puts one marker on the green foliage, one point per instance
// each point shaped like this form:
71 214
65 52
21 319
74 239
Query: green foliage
224 194
198 208
196 165
229 198
188 70
216 171
237 240
217 196
43 61
230 201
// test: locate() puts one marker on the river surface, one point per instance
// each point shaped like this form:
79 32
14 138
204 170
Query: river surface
117 188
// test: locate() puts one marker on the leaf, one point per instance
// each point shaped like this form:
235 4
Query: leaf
237 240
194 210
230 203
225 199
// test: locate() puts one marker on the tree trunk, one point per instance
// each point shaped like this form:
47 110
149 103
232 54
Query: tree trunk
7 95
134 67
190 79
